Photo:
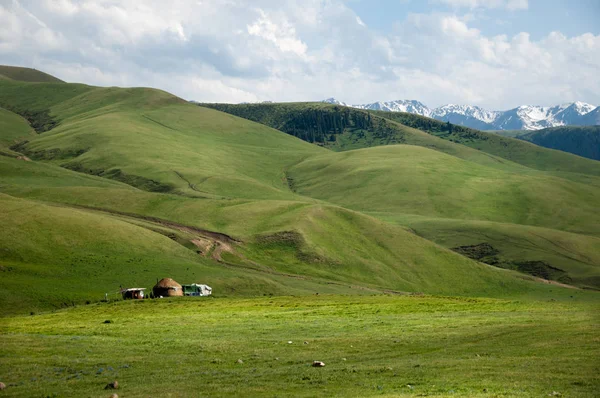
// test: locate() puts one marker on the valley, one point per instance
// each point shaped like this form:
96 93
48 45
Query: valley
312 222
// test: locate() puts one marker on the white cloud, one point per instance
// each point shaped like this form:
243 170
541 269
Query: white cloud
220 50
282 34
505 4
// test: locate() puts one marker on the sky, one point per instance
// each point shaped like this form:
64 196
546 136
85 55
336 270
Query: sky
497 54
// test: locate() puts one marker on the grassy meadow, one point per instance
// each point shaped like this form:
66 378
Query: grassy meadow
371 346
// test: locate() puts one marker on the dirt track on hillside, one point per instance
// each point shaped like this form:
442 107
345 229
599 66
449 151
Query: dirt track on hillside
216 243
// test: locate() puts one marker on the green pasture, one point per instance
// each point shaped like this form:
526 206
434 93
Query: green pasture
371 346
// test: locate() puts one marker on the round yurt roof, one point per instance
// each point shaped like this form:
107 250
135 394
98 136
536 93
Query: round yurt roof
168 282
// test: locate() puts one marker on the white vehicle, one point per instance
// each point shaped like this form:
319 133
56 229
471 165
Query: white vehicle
195 289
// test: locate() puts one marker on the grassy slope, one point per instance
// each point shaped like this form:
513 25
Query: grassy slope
580 140
508 133
393 182
62 256
150 134
413 180
290 118
535 187
515 150
574 253
309 119
329 243
372 346
26 75
13 129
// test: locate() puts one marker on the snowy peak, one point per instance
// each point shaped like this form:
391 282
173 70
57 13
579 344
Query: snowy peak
538 117
465 110
591 118
581 107
410 106
334 102
524 117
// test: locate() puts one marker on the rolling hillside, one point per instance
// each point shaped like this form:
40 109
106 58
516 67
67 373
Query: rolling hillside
487 178
415 180
140 183
26 75
14 129
548 253
341 128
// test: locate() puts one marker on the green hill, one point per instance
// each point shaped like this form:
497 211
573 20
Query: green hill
249 209
415 180
342 128
393 182
548 253
56 256
508 133
481 177
579 140
284 247
26 75
14 129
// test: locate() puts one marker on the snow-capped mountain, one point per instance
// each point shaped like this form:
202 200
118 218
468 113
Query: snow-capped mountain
524 117
335 102
528 117
410 106
591 118
466 115
573 112
465 110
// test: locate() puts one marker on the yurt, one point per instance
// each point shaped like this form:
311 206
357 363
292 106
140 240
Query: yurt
167 287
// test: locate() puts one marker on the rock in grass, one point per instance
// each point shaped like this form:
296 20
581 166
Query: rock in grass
114 396
240 361
2 386
318 364
108 321
112 386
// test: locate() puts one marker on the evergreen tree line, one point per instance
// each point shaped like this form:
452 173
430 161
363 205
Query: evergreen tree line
322 124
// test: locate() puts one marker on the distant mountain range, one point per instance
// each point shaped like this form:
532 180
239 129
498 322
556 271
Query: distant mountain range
524 117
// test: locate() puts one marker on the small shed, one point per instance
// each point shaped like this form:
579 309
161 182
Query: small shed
196 289
167 287
133 293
